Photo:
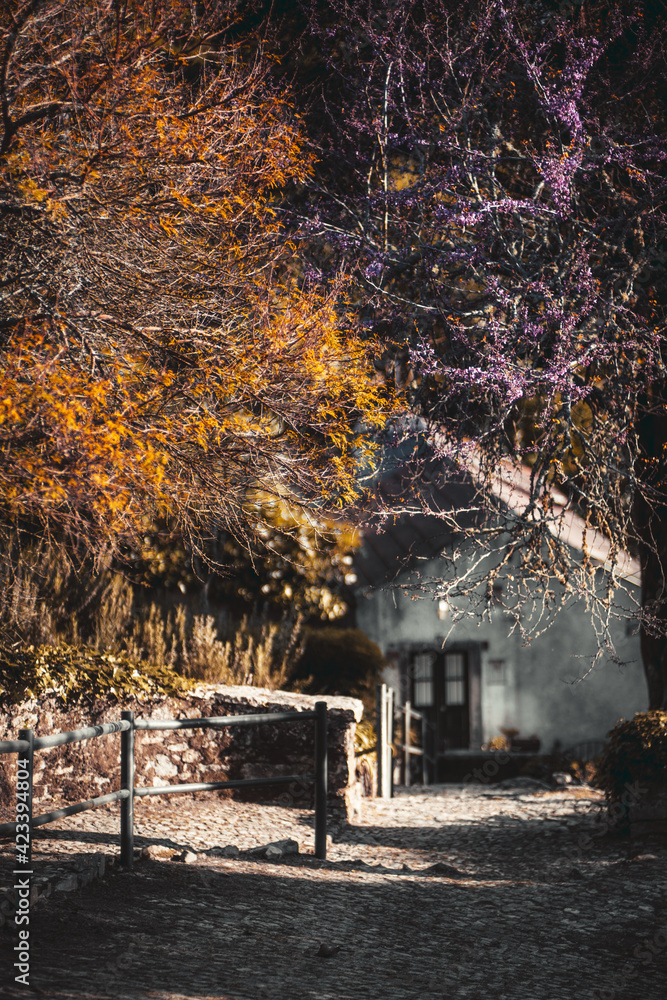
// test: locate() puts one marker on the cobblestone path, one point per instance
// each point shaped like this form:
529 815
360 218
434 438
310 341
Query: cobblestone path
446 892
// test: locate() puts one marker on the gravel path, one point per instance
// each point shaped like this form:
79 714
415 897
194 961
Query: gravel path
445 892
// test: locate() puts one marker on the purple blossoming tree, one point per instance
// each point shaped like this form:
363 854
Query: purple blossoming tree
495 180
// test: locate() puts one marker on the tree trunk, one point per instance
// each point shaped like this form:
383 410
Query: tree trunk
653 638
650 518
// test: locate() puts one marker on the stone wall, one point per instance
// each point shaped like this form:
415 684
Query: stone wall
83 770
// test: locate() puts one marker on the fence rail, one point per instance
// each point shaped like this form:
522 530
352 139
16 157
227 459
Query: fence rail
28 743
14 746
222 721
79 735
99 800
407 714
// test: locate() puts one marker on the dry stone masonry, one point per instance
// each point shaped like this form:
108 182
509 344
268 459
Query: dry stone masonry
84 770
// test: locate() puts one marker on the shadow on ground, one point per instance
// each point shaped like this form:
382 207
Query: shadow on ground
241 931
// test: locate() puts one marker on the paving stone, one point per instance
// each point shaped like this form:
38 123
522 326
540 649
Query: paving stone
229 851
67 884
158 852
187 857
440 892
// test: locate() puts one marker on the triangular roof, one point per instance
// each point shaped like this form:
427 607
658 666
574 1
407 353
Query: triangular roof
512 486
407 528
412 529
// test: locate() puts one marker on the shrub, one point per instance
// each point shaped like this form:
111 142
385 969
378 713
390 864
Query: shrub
585 771
365 750
365 738
67 614
77 675
636 752
259 652
341 661
166 657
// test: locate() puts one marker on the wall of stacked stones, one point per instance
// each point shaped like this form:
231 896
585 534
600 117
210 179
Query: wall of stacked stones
84 770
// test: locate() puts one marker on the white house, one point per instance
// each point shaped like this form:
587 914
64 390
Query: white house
477 675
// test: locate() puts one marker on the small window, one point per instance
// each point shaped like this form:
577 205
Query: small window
496 672
422 667
455 679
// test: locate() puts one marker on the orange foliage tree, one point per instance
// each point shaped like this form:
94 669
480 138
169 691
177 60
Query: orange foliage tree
160 356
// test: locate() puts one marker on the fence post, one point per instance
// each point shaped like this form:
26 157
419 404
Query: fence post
407 724
425 750
384 726
381 738
321 726
29 757
127 781
389 766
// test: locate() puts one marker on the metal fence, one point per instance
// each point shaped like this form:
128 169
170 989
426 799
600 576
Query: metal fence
28 743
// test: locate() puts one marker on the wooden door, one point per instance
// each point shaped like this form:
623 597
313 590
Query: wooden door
453 700
440 689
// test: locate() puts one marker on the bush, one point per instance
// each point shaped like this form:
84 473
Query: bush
365 751
165 655
70 614
636 752
77 675
47 600
341 661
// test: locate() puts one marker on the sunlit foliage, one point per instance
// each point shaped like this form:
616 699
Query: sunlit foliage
160 356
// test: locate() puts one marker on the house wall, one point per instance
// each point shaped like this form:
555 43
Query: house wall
547 688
